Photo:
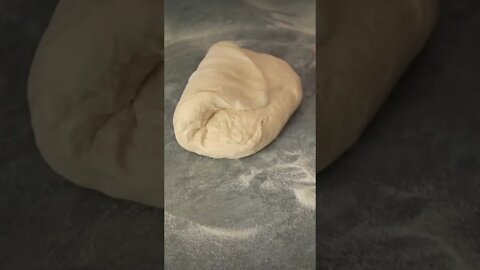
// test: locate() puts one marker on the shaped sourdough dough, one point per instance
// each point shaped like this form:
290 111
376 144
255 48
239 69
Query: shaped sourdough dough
95 95
236 102
362 49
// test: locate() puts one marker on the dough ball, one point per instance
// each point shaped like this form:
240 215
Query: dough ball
236 102
96 96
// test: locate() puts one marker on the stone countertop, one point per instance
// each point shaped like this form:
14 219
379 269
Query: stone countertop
406 197
46 222
256 212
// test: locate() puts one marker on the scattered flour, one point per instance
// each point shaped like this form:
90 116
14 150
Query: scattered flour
194 35
193 230
296 177
270 185
301 14
306 197
292 174
229 233
245 179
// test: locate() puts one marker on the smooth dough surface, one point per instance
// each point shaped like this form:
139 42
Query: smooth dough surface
236 102
95 94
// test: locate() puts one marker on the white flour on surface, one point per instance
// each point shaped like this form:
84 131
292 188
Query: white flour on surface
245 179
301 14
296 177
253 213
195 35
192 230
306 196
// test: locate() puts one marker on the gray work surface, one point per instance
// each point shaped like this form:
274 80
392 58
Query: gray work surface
45 221
256 212
407 196
404 198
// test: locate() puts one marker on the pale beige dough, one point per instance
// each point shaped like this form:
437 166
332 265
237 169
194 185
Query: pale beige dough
236 102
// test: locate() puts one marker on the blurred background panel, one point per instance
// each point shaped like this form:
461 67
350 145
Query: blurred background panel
406 195
45 221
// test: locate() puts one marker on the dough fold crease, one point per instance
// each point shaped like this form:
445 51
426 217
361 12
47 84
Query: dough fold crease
236 102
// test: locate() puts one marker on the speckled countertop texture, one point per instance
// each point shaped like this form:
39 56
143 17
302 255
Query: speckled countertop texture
252 213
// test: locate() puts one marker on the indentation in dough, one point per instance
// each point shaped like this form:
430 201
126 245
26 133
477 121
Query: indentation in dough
236 102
